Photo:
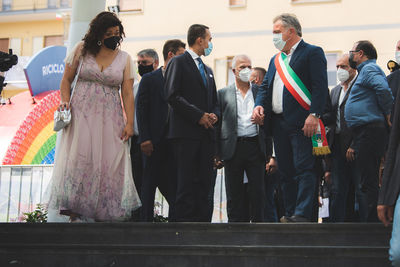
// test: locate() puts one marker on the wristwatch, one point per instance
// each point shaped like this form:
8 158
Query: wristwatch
316 115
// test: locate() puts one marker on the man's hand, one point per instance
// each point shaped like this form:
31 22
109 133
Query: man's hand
388 121
147 147
385 214
205 121
350 154
271 166
258 115
310 125
213 118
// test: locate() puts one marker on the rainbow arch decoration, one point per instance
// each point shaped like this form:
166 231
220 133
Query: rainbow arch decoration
35 140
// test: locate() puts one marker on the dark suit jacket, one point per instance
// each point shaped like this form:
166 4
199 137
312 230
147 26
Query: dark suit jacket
151 107
189 98
390 188
227 127
330 117
309 63
394 84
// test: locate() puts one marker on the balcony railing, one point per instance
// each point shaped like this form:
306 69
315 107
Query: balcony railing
19 5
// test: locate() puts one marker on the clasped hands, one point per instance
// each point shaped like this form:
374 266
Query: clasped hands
310 125
208 120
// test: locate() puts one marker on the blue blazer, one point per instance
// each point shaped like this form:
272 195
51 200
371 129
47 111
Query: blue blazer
309 63
151 107
189 98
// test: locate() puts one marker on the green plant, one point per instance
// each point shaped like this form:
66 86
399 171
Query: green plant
39 215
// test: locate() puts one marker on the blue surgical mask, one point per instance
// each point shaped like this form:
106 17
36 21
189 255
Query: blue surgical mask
208 50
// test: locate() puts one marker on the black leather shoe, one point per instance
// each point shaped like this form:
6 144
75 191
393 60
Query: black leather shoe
297 219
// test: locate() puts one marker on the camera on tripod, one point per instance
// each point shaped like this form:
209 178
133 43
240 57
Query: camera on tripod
7 60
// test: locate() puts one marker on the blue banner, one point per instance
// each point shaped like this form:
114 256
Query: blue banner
45 70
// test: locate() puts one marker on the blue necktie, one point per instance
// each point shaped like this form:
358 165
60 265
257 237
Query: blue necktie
202 70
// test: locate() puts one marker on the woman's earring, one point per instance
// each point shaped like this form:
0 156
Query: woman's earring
99 43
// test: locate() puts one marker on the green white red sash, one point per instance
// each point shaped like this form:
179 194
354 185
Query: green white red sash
302 95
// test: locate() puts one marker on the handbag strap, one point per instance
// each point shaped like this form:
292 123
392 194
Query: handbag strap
75 79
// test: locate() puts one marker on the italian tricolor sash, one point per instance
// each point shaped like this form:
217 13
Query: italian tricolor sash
302 95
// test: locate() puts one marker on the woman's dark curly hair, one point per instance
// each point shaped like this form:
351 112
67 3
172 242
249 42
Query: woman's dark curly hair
97 28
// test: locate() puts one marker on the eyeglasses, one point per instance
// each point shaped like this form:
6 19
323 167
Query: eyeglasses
354 51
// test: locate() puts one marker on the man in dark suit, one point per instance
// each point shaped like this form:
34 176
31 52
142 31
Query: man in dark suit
394 78
191 93
293 123
241 145
340 139
152 114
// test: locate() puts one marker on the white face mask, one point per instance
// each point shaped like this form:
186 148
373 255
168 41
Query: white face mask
342 75
244 75
278 41
397 56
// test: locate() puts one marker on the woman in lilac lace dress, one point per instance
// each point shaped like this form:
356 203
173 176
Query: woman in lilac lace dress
92 176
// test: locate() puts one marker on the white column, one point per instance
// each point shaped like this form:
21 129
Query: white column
82 13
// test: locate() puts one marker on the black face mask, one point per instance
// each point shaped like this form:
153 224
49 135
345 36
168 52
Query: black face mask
112 42
352 63
145 69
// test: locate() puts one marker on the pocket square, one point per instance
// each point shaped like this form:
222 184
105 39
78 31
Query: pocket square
211 75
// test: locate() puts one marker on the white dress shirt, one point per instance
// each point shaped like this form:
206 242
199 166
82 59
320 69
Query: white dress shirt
135 125
341 97
277 92
245 106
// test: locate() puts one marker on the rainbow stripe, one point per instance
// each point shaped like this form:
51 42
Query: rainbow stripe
35 140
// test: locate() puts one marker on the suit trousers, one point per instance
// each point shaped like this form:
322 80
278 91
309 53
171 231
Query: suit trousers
369 145
344 174
158 171
137 170
195 173
247 158
296 163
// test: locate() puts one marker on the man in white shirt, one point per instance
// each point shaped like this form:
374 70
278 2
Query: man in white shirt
241 145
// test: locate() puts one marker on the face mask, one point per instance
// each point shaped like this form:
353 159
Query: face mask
145 69
342 75
207 51
112 42
352 63
397 56
244 75
278 41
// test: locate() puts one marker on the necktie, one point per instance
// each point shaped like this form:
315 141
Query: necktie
202 70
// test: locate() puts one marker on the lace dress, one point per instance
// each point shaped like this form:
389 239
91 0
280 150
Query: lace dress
92 175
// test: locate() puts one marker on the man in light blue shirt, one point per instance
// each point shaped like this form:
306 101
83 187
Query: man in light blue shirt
367 114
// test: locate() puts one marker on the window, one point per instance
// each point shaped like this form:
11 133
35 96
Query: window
52 3
331 59
237 3
65 3
7 4
53 40
4 44
131 5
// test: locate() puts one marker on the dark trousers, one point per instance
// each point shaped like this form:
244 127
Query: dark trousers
137 170
272 196
247 158
369 145
158 171
344 174
195 160
296 162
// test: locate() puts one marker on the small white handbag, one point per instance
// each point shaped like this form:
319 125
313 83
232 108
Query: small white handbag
63 117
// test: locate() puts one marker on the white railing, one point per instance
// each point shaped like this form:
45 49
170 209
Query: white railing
22 188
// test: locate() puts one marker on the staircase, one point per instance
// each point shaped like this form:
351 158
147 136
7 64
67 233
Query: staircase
193 245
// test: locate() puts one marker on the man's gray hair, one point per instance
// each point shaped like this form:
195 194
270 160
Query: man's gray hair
289 20
148 53
238 57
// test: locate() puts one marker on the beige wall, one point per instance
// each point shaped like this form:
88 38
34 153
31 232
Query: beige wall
334 26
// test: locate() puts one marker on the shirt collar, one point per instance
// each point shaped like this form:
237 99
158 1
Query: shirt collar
294 47
359 67
193 54
250 88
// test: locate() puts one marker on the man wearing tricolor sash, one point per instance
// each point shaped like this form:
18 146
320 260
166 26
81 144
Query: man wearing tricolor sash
292 97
